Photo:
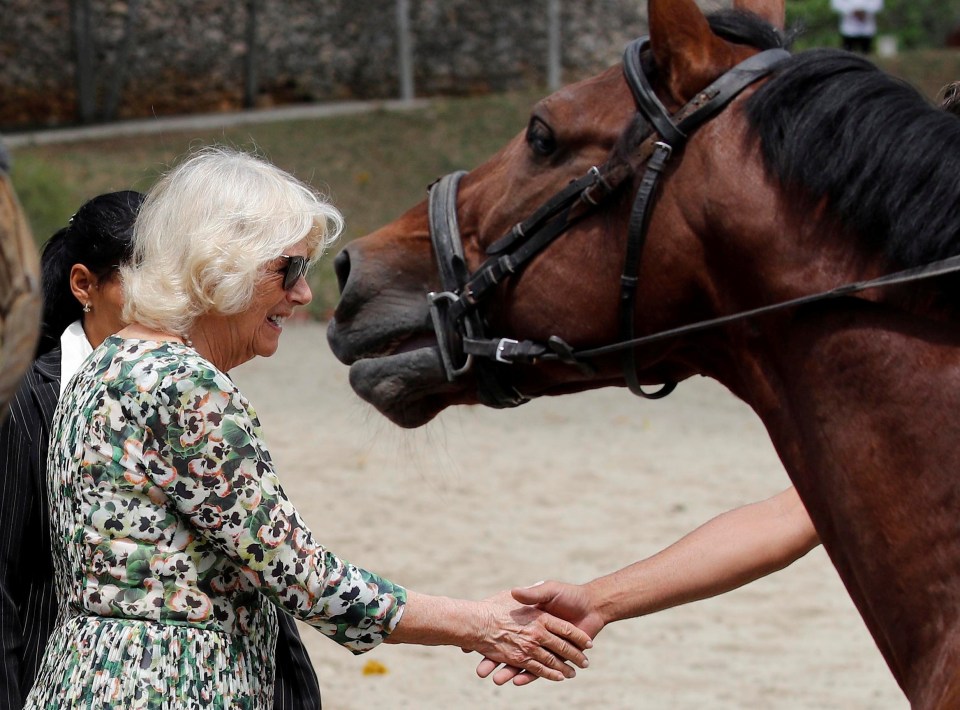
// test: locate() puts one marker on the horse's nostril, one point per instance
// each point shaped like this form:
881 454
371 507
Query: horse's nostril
341 266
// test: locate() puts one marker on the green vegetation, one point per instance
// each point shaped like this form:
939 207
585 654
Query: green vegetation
374 166
917 24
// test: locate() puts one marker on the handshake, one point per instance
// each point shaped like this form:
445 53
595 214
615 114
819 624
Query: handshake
558 623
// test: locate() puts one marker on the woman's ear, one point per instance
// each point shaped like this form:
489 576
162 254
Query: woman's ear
82 282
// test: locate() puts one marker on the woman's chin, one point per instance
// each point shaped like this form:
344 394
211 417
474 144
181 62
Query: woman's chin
269 343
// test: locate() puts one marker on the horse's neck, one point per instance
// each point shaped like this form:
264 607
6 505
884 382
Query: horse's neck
861 406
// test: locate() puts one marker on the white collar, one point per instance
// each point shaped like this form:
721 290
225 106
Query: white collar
74 349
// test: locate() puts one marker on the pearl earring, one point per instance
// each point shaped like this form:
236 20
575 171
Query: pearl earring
86 307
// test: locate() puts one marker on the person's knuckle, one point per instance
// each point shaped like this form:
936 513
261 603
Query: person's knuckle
551 661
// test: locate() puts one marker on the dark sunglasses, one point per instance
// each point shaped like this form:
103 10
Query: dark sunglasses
295 268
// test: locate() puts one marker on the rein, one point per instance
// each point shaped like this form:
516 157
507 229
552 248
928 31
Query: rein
460 328
942 267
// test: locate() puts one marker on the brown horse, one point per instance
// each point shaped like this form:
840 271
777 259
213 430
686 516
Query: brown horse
19 289
811 171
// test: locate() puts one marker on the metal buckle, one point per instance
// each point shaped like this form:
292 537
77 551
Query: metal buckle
664 148
439 305
500 348
598 180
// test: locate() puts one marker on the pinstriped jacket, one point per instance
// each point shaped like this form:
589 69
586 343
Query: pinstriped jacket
28 600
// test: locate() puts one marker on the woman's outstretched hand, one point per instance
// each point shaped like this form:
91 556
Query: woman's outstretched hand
565 601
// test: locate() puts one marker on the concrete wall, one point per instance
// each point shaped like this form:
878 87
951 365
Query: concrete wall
188 55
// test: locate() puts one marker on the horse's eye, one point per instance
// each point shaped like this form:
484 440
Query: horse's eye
540 138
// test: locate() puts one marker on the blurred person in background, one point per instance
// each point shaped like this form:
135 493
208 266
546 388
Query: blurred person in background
19 288
858 23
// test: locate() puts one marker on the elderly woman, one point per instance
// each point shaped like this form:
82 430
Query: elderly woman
82 301
174 543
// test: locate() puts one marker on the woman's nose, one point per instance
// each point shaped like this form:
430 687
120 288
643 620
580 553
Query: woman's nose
300 294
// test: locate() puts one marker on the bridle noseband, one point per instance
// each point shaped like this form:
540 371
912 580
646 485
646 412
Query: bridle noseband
460 328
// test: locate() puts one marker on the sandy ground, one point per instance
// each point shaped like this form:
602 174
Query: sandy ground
568 488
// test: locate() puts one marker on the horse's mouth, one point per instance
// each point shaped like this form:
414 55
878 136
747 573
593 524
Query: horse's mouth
401 375
409 388
352 344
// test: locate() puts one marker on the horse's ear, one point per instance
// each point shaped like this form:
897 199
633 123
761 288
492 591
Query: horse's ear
685 48
773 11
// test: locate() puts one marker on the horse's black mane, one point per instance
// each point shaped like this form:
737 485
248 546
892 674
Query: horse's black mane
833 126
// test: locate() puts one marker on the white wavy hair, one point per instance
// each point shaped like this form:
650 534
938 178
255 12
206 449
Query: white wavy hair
206 231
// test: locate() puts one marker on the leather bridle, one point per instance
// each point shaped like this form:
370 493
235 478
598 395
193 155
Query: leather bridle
459 326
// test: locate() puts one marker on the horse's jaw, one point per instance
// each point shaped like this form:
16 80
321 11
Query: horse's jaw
408 383
409 388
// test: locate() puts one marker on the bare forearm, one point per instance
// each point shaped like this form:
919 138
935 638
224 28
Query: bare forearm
725 553
438 621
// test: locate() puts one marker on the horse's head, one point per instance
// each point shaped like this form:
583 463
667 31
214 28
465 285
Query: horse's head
562 275
19 288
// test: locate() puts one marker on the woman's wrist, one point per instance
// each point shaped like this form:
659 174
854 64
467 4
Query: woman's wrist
441 621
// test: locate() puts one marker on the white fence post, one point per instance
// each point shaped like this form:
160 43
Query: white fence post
553 45
405 50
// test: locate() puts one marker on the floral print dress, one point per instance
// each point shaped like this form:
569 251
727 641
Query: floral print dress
173 541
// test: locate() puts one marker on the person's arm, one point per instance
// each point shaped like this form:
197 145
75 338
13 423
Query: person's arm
727 552
226 486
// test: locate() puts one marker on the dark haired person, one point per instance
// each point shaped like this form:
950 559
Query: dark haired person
81 306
